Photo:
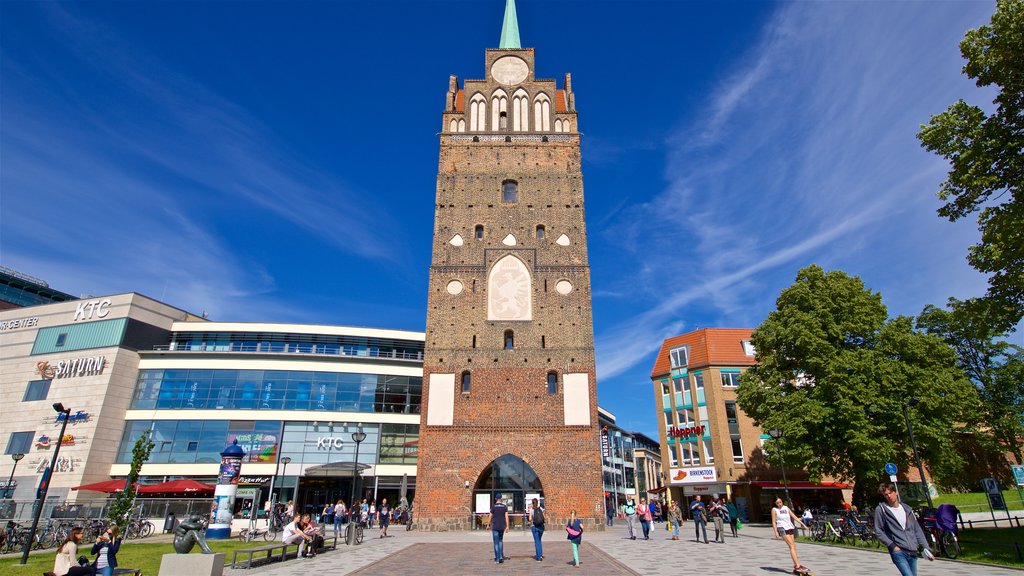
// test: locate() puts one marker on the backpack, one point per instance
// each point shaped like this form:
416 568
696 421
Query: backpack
538 516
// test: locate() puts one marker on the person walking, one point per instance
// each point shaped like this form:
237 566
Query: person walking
644 514
897 528
734 517
106 548
675 516
655 507
384 512
719 515
630 510
340 515
499 525
574 528
782 522
609 510
537 528
700 518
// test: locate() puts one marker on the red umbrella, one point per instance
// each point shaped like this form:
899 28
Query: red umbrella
186 486
108 486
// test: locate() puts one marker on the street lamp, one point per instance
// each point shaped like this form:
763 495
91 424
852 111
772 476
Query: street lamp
912 401
273 482
17 458
776 434
357 437
44 485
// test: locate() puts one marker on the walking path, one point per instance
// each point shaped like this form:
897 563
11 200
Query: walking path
754 553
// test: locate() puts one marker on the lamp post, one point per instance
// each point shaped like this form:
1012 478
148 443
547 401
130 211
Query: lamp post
273 483
44 485
357 437
17 458
776 434
912 401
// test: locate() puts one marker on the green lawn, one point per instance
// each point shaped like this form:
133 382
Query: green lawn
132 555
978 502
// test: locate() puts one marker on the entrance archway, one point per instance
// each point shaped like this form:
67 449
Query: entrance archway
514 479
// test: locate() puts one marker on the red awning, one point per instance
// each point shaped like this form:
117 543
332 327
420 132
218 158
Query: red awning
108 486
802 485
186 486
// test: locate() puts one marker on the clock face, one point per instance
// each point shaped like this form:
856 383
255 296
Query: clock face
510 70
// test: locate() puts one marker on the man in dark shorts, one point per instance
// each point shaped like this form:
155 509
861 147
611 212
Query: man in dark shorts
385 517
499 525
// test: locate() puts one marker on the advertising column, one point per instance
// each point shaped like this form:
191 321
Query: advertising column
224 495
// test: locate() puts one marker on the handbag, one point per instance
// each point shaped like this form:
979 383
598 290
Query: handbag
739 524
572 532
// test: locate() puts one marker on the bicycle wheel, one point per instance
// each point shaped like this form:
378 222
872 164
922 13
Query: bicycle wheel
359 534
950 545
147 529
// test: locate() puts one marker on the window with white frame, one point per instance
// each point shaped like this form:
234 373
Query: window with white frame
698 381
686 418
679 356
737 450
730 412
748 348
665 389
668 420
673 456
730 379
709 453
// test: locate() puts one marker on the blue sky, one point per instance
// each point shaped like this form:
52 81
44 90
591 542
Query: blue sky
276 161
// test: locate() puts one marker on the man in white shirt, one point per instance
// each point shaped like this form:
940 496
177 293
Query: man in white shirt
294 533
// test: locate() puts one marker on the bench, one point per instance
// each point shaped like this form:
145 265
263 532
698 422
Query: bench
127 572
269 549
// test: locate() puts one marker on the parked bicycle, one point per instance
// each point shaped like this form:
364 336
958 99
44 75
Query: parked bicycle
940 527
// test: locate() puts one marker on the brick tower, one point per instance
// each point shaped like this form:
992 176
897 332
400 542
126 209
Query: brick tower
510 399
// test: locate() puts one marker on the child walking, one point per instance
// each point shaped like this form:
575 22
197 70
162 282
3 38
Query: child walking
575 530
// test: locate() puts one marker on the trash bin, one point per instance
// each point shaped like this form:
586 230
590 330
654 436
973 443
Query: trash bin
170 522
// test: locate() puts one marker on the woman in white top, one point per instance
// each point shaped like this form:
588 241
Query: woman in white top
66 562
782 521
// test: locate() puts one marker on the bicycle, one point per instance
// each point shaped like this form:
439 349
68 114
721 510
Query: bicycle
138 528
941 530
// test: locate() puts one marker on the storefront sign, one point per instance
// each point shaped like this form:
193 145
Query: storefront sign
327 442
45 441
86 366
676 432
253 480
694 489
8 484
19 323
92 309
692 475
76 418
63 464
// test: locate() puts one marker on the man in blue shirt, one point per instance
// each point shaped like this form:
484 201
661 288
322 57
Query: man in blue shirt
499 525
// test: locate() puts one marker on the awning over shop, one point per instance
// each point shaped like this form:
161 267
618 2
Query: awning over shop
802 485
184 486
108 486
335 469
657 490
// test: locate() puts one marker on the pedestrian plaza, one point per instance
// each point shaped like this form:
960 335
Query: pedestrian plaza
754 553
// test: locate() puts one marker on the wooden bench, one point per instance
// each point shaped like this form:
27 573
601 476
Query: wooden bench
127 572
269 549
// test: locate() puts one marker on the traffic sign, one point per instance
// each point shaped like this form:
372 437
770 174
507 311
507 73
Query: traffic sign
1018 475
890 468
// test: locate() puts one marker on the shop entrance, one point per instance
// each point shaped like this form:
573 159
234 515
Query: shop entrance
517 483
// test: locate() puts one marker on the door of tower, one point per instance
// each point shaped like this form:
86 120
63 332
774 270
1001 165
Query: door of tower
517 483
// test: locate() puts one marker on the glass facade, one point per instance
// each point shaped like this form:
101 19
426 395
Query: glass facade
298 343
277 390
201 441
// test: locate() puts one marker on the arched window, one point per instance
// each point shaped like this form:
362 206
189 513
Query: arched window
453 126
478 113
462 124
512 477
552 382
542 113
510 340
465 382
540 231
478 232
499 108
509 191
520 111
503 121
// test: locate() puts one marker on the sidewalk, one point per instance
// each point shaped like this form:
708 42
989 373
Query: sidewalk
754 553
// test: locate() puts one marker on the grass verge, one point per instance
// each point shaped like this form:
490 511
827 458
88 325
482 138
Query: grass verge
984 545
143 555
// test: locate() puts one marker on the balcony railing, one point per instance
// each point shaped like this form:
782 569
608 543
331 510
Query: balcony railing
313 350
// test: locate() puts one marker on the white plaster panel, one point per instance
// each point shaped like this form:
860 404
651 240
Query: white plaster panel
441 400
509 293
576 398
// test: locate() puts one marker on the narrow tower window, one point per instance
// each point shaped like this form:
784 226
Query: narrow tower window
503 121
478 232
552 382
510 340
509 191
540 231
465 382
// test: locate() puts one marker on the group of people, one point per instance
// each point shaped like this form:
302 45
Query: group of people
306 534
105 551
537 517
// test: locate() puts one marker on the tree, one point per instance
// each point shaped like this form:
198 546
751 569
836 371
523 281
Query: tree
827 355
120 510
995 366
986 153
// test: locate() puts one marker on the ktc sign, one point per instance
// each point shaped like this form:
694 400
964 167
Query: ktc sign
327 442
692 475
686 432
92 309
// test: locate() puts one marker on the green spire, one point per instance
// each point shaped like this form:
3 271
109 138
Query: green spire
510 27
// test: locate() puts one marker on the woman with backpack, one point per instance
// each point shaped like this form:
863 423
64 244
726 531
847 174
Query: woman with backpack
575 535
537 528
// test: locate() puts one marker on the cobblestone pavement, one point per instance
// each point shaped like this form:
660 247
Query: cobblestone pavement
754 553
